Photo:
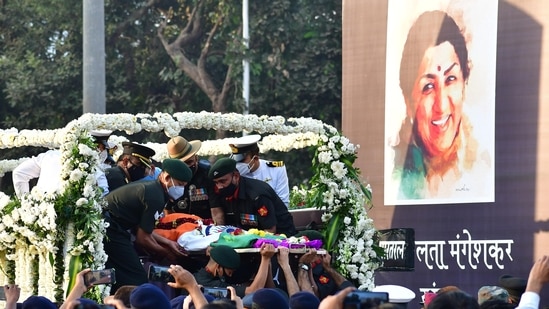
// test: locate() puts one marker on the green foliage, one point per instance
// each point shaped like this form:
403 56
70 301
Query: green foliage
294 54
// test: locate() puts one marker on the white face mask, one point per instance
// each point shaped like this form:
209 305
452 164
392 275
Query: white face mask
103 156
243 168
176 192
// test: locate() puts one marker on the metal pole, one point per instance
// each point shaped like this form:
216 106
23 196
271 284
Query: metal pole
245 62
94 96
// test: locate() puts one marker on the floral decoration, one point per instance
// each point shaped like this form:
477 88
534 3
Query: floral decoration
45 240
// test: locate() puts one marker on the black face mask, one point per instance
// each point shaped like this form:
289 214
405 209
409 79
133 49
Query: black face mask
194 168
222 276
136 172
227 191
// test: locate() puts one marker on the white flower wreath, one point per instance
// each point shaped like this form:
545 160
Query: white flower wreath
64 231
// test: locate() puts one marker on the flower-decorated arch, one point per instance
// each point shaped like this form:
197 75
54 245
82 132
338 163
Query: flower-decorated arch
46 239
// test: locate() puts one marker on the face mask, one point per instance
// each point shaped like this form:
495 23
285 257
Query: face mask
176 192
194 168
136 172
103 156
228 190
243 168
222 275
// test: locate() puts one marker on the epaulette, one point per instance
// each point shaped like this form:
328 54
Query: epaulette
275 163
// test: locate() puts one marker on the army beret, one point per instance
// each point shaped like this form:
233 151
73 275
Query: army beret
310 234
225 256
143 153
222 167
177 169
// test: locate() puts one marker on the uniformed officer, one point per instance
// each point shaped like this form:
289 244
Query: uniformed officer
224 262
101 138
248 203
245 151
136 207
199 194
131 166
47 168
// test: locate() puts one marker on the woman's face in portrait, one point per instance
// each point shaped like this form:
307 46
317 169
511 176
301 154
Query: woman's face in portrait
437 99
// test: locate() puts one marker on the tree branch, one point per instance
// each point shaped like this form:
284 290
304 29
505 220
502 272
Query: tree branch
192 30
129 21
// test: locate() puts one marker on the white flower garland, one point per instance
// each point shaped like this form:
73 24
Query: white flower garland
38 225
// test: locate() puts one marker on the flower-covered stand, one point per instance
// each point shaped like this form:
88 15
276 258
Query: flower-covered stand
46 239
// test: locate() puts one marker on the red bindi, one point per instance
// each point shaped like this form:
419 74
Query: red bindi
438 68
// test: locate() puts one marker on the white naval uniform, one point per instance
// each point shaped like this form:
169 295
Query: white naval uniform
47 168
275 176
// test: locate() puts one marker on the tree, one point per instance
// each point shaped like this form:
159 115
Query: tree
172 55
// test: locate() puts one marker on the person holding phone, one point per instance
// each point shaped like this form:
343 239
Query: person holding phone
337 300
77 291
11 293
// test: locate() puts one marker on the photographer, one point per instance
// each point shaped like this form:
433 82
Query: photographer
185 280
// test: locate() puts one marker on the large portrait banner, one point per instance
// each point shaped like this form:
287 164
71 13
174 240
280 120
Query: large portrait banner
440 102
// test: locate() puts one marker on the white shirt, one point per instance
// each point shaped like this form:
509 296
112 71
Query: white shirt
529 300
47 168
275 176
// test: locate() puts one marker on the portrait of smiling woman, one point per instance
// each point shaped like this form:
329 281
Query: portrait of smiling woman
436 154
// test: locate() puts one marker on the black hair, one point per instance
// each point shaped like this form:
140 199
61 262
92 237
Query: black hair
430 29
454 300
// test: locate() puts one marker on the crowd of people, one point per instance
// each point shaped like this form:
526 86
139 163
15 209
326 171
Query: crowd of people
149 296
243 191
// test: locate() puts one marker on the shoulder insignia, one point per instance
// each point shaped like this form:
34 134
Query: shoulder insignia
275 163
263 211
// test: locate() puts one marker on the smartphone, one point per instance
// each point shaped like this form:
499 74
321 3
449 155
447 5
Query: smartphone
160 274
2 293
218 292
365 299
103 276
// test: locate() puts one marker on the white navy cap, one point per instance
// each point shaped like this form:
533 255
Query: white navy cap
397 294
102 136
240 146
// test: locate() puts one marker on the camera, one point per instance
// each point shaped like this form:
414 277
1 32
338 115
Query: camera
365 299
217 292
103 276
160 274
